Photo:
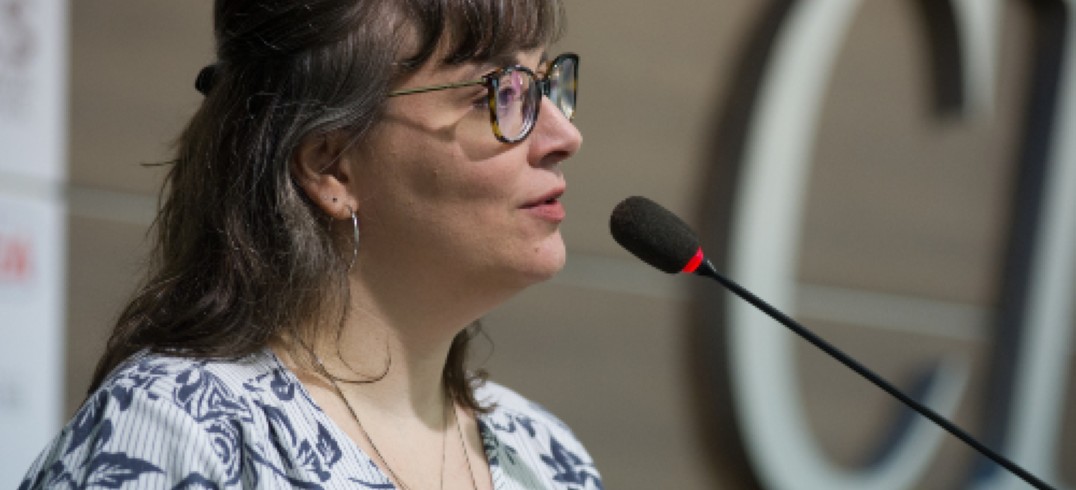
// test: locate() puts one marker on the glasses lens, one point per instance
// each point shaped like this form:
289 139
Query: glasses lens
562 85
515 103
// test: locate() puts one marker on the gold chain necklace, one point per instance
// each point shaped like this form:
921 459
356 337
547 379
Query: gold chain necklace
384 462
466 453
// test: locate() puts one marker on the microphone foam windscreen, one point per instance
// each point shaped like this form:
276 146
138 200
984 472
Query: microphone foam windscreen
653 234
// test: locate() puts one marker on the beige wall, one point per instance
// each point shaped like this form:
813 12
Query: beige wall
900 202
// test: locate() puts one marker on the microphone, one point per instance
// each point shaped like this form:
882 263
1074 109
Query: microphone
655 235
660 238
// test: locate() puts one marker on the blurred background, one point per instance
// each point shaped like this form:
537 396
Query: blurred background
894 173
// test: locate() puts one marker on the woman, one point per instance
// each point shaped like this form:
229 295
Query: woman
364 179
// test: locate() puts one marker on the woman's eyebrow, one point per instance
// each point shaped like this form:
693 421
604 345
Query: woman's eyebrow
479 69
543 64
494 63
501 61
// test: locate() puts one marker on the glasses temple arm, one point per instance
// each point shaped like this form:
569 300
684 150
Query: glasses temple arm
422 90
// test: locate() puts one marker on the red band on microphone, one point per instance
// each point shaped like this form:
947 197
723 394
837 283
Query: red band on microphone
694 263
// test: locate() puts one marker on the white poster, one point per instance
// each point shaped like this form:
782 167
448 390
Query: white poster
33 81
31 320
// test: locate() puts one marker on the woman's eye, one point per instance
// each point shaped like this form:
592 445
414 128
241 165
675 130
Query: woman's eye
512 88
505 94
508 99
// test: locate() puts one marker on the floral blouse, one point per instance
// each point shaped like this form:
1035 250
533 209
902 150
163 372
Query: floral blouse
168 422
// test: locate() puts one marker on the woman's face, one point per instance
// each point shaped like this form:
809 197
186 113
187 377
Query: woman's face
442 198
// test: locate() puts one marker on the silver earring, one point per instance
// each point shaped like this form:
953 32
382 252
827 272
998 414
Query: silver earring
355 239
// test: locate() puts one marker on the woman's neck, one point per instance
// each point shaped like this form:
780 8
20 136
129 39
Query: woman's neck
401 348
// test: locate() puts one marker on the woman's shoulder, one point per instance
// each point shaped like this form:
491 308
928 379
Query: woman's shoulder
529 445
164 418
189 383
506 402
177 377
202 390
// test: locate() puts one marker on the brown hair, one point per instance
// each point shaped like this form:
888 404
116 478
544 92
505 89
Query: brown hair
241 256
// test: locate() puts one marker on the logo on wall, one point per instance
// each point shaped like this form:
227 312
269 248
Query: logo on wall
18 48
18 264
760 176
15 255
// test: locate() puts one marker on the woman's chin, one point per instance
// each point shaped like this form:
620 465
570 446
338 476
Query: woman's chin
547 261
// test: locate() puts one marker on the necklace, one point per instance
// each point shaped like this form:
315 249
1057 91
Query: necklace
384 462
466 453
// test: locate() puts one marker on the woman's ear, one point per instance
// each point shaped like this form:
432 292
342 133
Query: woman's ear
322 168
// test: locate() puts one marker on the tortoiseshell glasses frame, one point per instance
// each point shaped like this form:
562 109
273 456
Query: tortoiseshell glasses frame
514 94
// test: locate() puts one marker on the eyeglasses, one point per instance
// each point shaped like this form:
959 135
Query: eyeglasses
514 95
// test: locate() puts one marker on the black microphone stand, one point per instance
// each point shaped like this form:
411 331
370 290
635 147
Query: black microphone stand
707 269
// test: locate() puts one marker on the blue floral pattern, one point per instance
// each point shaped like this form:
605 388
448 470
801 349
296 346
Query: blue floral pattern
169 422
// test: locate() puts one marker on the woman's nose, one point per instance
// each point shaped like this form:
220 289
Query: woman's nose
554 138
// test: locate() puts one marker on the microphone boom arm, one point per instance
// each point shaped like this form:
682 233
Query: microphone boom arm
706 268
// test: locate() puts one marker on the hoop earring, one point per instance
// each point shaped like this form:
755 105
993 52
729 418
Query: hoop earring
355 238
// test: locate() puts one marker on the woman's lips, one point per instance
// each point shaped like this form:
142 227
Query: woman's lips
551 210
548 208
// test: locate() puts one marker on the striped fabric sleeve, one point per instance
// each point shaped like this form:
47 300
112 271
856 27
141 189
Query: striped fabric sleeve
140 439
